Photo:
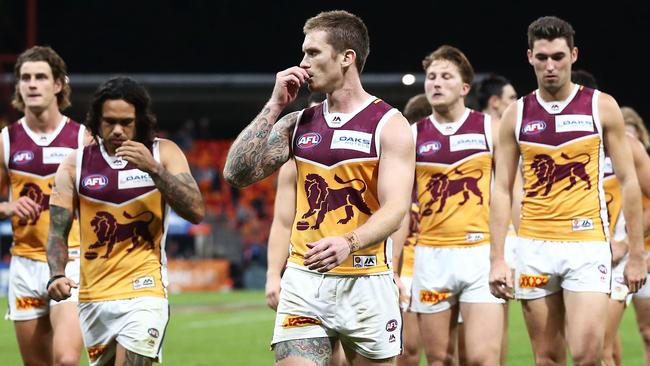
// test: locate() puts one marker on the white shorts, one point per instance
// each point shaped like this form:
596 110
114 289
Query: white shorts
444 276
28 298
510 250
138 324
362 311
407 281
545 267
619 288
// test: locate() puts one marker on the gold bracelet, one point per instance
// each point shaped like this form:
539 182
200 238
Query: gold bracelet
353 241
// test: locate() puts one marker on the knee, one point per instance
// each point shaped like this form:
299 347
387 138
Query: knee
645 335
549 359
67 359
586 359
440 359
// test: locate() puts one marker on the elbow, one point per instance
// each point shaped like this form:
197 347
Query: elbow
198 215
233 178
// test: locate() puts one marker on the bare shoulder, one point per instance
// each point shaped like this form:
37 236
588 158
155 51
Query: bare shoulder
396 130
609 111
168 147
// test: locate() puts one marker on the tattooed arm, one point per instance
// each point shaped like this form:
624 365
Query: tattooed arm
172 176
61 208
263 146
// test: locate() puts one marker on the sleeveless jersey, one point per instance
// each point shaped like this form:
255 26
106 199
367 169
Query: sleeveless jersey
613 196
561 146
453 173
122 216
337 160
31 160
408 253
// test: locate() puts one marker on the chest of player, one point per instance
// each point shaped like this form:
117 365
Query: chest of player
99 180
557 123
441 147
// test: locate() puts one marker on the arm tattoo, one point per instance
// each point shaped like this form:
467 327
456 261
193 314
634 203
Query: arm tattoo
134 359
316 350
260 149
57 240
181 193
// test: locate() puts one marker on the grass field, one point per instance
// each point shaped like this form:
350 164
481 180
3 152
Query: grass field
235 328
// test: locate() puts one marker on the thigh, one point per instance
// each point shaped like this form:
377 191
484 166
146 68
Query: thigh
642 309
438 332
483 325
585 325
410 333
305 351
67 339
544 319
124 357
34 340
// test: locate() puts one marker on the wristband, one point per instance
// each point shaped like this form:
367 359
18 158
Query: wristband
52 279
353 241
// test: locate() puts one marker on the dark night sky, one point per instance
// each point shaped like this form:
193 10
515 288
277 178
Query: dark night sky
187 36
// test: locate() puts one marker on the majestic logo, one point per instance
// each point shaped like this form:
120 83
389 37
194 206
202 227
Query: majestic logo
109 232
534 127
309 140
548 172
532 281
95 181
429 148
361 261
323 199
336 119
293 321
22 157
441 187
392 325
433 297
35 193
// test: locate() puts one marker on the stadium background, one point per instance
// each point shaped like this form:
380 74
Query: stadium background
210 65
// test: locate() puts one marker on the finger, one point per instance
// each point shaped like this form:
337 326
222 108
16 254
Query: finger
72 284
29 207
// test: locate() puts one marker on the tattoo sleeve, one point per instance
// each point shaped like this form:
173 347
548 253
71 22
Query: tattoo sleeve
57 240
316 350
181 193
134 359
260 149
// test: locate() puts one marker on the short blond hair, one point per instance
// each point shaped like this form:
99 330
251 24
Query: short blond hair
632 118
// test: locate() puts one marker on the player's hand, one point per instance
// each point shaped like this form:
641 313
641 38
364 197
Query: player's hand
272 291
619 249
23 207
404 297
287 85
501 282
136 153
61 288
326 253
635 273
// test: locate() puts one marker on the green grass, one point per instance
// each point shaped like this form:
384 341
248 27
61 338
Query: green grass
235 329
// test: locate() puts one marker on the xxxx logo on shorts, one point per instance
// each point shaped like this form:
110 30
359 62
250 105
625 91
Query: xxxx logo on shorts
293 321
433 297
532 281
95 352
25 303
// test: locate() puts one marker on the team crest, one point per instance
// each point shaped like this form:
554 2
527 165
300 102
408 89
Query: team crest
110 232
441 187
548 173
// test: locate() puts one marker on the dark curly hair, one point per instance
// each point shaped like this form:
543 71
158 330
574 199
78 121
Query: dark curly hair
132 92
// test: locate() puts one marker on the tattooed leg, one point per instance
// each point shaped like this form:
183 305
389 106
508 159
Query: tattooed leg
316 350
124 357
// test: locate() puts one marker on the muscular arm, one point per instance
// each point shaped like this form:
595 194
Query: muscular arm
642 168
61 209
280 235
261 148
174 180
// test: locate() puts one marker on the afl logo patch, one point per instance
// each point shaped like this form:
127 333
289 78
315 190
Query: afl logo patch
95 181
22 157
308 140
534 127
429 148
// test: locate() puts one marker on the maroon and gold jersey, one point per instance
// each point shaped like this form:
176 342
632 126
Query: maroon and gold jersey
561 146
408 253
122 217
613 196
31 160
337 160
453 172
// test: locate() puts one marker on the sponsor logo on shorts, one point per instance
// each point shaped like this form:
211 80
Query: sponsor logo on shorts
153 332
143 282
95 352
532 281
474 237
602 269
392 338
582 224
294 321
26 303
433 297
361 261
309 140
392 325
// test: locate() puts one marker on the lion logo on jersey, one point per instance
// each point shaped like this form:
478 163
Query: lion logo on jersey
35 193
109 231
323 199
548 172
441 187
